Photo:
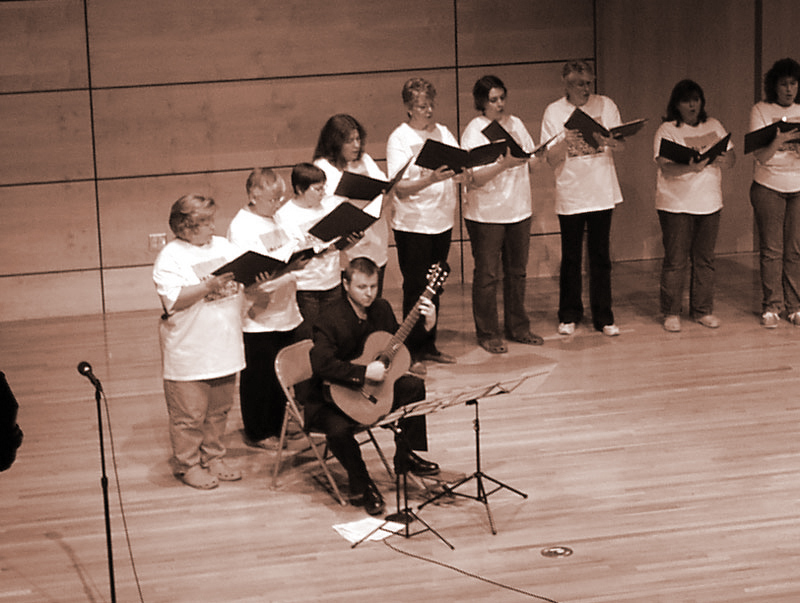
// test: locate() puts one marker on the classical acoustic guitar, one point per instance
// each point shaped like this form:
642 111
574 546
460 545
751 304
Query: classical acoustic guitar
373 400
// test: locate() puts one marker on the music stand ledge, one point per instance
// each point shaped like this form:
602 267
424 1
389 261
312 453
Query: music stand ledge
482 494
469 397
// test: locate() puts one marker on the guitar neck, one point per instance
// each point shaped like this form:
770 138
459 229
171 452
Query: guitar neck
411 319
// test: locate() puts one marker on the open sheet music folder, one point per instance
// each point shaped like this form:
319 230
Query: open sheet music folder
682 154
250 264
365 188
435 154
763 137
343 220
587 126
497 133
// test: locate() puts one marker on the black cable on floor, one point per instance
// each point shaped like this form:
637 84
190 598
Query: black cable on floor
466 573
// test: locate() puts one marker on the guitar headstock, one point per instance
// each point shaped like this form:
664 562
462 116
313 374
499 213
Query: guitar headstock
437 274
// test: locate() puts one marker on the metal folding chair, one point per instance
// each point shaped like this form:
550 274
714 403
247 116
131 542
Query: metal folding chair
292 366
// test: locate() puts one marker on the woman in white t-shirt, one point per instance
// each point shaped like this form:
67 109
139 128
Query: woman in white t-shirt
775 195
270 322
201 341
497 214
340 148
689 203
424 208
319 281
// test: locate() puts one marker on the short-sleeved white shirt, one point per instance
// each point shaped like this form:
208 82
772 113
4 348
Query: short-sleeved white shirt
782 172
433 209
506 198
323 272
203 341
375 242
691 192
587 179
252 232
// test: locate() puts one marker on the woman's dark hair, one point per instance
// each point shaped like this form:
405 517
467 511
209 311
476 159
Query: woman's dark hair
482 88
304 175
685 90
780 69
334 134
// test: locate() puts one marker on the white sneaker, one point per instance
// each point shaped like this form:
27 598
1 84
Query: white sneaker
794 318
566 328
672 323
770 320
611 330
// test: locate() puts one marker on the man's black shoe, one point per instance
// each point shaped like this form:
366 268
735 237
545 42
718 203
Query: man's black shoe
416 465
373 501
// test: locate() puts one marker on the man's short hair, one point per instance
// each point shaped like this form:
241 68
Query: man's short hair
362 265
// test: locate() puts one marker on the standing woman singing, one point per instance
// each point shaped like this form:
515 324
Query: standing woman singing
424 209
497 213
689 204
340 148
775 195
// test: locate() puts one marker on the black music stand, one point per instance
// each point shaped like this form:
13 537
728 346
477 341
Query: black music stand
479 476
404 515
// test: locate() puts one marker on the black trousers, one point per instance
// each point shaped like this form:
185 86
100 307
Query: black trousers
416 253
260 395
340 430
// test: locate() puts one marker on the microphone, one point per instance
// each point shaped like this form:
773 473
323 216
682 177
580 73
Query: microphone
85 369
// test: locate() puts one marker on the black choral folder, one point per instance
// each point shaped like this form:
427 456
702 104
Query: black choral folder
366 188
763 137
250 264
495 132
587 126
682 154
343 220
435 154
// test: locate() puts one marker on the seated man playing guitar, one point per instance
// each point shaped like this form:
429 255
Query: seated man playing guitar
346 388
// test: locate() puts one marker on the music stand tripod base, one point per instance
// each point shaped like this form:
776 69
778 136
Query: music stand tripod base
482 496
404 515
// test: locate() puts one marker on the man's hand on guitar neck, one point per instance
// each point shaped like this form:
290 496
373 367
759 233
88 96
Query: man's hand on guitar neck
376 371
428 310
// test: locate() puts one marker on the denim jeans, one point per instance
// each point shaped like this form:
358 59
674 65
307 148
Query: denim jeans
689 242
500 252
777 218
570 304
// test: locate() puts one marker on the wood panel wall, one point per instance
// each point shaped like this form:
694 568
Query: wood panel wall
111 110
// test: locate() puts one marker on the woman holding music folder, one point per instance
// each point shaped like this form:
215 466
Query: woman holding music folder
424 208
201 341
587 190
775 194
689 203
340 148
497 213
269 322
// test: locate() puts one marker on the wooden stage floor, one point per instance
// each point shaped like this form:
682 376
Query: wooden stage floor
668 463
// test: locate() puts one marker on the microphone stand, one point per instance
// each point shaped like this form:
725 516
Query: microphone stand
98 392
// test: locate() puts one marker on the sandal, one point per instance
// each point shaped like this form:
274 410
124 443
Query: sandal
223 472
527 338
198 477
493 346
